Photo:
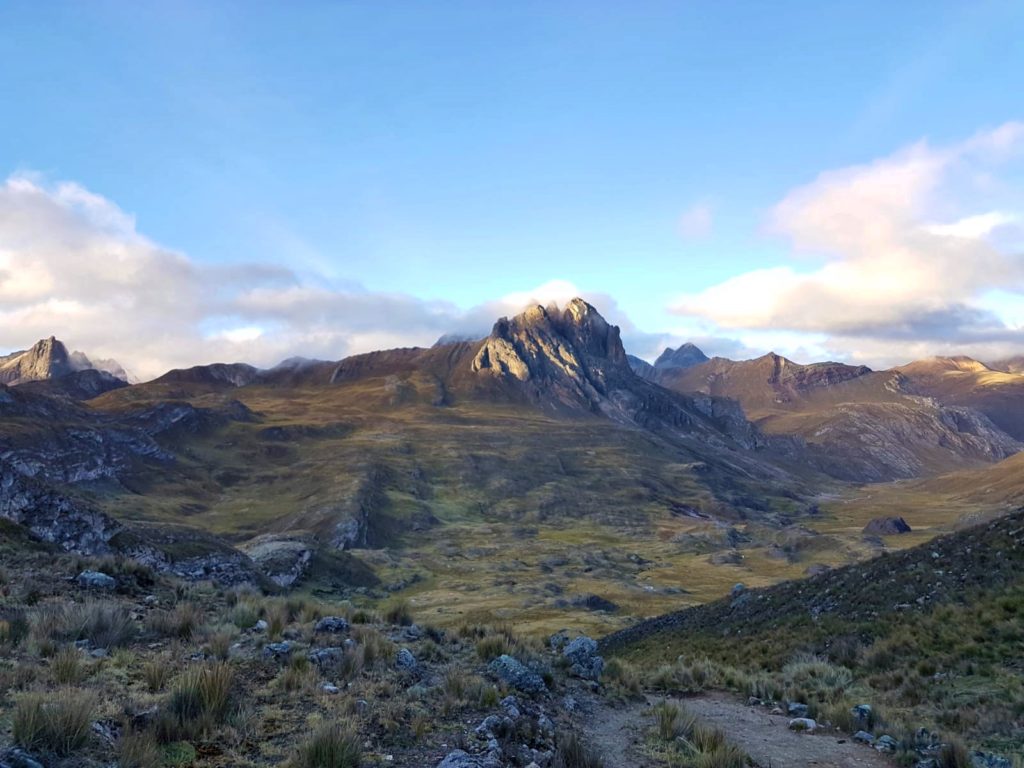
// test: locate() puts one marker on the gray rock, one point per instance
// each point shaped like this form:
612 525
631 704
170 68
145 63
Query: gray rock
583 658
987 760
863 737
278 651
326 657
802 724
887 526
96 580
329 688
99 653
334 625
737 590
886 744
261 626
511 706
488 727
862 713
18 758
517 675
796 709
405 660
460 759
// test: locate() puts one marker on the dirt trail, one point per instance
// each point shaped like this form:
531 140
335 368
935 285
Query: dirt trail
616 733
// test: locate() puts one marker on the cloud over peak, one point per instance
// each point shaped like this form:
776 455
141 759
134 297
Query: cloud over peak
900 248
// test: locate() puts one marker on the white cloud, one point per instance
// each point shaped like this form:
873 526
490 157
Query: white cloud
73 264
697 221
886 253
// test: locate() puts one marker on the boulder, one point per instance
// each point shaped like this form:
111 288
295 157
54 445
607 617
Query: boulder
583 659
405 660
802 724
987 760
278 651
334 625
863 737
326 657
96 580
460 759
887 526
796 709
886 744
516 674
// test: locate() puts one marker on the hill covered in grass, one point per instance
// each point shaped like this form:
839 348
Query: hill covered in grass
930 636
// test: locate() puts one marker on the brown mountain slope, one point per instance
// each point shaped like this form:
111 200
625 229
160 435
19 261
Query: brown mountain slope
862 425
961 381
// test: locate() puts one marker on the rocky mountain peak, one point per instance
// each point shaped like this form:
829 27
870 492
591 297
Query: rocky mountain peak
686 356
571 353
46 359
49 359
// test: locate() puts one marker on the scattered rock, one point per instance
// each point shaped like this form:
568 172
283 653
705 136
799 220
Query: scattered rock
261 625
329 688
405 660
326 657
96 580
460 759
595 603
802 724
17 758
886 744
863 737
582 655
278 651
987 760
517 675
796 709
331 624
887 526
737 590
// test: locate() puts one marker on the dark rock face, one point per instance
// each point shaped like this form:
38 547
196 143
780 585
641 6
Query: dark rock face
686 356
641 367
887 526
517 674
71 525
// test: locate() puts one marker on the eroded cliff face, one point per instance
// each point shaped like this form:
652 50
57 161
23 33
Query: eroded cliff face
53 517
573 359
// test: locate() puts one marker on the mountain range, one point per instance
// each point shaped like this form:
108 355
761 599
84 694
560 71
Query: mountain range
408 465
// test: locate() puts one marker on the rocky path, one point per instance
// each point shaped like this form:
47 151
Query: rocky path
616 733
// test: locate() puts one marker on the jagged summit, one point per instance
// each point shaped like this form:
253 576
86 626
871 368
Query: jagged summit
46 359
686 356
575 346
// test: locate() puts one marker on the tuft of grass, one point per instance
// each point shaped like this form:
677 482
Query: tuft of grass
954 755
138 749
200 698
156 673
571 752
398 611
104 624
181 622
66 667
59 724
332 745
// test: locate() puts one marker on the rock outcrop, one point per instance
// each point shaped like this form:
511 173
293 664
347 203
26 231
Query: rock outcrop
686 356
49 359
71 525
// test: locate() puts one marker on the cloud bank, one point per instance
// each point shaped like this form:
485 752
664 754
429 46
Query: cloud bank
891 259
73 264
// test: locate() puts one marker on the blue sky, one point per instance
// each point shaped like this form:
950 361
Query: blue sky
460 152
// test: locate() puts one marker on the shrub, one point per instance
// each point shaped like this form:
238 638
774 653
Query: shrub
67 667
297 675
571 752
201 697
181 622
105 625
398 610
673 722
244 615
373 644
138 750
332 745
954 755
155 673
492 647
219 645
59 724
